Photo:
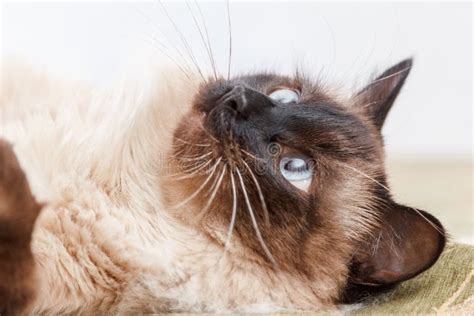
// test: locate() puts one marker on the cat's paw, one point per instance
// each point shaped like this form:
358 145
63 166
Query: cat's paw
18 207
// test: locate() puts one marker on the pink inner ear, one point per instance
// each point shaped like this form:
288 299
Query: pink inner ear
407 245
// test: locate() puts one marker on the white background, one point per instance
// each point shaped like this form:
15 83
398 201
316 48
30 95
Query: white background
344 43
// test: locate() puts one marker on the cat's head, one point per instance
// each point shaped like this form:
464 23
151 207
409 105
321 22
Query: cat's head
282 173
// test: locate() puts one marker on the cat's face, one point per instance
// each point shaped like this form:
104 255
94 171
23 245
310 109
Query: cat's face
280 172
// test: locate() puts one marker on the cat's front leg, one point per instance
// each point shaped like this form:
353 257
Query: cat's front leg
18 213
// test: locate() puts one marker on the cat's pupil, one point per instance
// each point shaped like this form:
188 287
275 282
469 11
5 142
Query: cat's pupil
296 168
296 165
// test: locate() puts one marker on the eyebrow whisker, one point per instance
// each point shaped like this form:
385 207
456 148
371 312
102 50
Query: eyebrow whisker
229 22
185 43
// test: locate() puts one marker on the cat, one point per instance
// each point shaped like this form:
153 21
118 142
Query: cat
255 193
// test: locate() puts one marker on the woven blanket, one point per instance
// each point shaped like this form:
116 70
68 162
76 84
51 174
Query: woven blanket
445 289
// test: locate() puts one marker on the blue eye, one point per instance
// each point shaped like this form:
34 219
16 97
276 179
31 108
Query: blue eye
284 95
297 169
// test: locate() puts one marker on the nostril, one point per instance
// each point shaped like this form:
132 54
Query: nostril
235 99
244 101
232 104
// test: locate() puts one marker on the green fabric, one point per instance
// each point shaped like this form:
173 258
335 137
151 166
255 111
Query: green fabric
447 288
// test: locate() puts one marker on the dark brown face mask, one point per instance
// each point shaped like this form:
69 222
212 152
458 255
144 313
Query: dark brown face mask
346 212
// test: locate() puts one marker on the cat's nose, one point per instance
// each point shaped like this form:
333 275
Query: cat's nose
246 101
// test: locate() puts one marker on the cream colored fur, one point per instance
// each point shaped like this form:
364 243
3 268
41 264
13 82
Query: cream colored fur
104 242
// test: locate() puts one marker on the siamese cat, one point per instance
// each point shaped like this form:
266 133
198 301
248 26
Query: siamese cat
253 193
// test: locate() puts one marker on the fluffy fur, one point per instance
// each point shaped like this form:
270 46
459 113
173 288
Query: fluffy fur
103 240
108 237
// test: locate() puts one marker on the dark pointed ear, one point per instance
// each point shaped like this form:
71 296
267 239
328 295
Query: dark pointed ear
377 97
408 242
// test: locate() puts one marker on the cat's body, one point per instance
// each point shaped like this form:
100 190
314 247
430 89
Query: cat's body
104 241
108 239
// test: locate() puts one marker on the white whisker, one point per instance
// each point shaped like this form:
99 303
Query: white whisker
214 189
191 158
185 43
190 173
192 144
216 71
260 194
230 39
206 47
251 155
388 190
390 76
254 220
192 196
164 48
234 211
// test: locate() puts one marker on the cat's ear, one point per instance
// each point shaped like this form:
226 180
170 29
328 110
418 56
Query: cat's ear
377 97
408 242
